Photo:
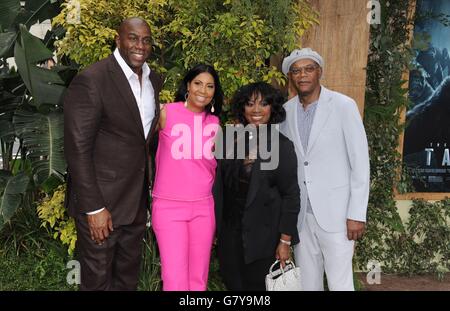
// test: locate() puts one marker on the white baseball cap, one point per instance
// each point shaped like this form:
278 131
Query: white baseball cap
305 53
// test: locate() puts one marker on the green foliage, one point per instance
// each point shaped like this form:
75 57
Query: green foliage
11 96
237 37
29 258
214 280
429 232
413 248
43 136
23 232
41 265
54 215
44 84
150 279
9 9
384 98
422 246
41 268
91 26
12 189
16 12
30 104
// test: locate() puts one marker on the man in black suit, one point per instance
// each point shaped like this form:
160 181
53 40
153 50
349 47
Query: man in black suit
110 115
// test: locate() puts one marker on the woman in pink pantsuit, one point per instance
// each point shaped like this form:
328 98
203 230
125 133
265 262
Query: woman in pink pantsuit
183 208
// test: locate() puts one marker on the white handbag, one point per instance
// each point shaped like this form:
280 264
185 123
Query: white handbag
283 279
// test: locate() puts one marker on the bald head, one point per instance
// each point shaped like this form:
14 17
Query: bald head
134 42
132 22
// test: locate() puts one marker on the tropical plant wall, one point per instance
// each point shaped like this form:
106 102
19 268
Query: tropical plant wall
30 106
422 244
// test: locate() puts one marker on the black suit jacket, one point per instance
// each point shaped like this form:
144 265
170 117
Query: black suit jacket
109 158
272 204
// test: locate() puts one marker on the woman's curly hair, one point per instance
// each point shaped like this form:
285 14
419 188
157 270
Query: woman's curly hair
268 93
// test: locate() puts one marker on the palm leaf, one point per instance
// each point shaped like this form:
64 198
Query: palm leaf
38 11
9 9
43 138
45 85
6 43
12 189
10 83
11 15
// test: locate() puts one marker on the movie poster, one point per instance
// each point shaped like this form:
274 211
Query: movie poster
427 133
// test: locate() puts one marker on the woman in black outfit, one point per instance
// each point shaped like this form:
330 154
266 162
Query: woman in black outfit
256 208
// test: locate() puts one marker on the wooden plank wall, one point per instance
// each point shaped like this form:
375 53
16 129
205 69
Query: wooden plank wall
342 38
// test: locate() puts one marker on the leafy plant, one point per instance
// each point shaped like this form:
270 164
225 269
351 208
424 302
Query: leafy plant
30 103
429 231
45 85
12 189
42 135
13 14
421 245
41 268
237 37
151 267
54 215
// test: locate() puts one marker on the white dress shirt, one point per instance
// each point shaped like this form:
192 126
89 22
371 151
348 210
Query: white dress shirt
144 95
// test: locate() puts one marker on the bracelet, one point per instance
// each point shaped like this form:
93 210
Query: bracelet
285 242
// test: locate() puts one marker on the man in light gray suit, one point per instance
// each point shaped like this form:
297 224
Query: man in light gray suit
333 173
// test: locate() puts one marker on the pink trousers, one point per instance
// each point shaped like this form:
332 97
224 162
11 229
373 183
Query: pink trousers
184 231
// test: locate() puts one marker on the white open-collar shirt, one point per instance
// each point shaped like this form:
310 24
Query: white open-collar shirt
144 95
